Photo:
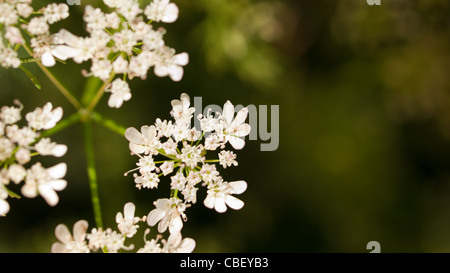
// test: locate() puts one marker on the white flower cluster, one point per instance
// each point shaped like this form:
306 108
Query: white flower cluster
19 14
185 161
122 42
19 144
112 241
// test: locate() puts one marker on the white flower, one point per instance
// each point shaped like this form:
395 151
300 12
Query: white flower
165 128
120 66
16 173
56 12
152 246
235 128
24 9
219 195
44 118
120 92
9 58
191 155
38 26
227 158
145 142
4 205
169 214
209 173
101 69
13 35
175 244
6 148
23 155
148 180
23 136
94 18
69 243
127 222
45 182
109 239
170 147
178 181
129 9
8 14
181 111
167 167
124 41
169 64
162 10
10 115
46 147
146 164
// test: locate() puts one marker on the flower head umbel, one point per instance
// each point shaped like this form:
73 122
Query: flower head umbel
122 42
184 160
111 241
19 17
17 147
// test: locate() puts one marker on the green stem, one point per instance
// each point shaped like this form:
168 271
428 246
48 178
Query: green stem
108 123
99 94
92 173
66 93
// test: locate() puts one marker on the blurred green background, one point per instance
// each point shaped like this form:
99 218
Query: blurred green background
364 152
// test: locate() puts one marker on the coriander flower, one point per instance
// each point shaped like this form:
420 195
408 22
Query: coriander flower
144 142
169 214
235 128
219 195
175 244
4 205
69 243
127 222
44 118
45 182
120 92
162 10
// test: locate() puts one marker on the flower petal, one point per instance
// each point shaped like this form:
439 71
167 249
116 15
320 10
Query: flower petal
237 187
57 171
134 136
219 205
48 194
237 143
233 202
62 233
155 216
209 201
79 230
228 112
129 210
47 59
171 13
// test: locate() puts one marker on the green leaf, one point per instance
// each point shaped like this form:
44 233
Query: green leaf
12 194
32 77
91 88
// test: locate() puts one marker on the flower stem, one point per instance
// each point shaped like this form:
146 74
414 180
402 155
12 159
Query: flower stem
66 93
99 94
92 173
108 123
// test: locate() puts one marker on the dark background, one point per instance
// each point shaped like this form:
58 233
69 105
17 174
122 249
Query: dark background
364 150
